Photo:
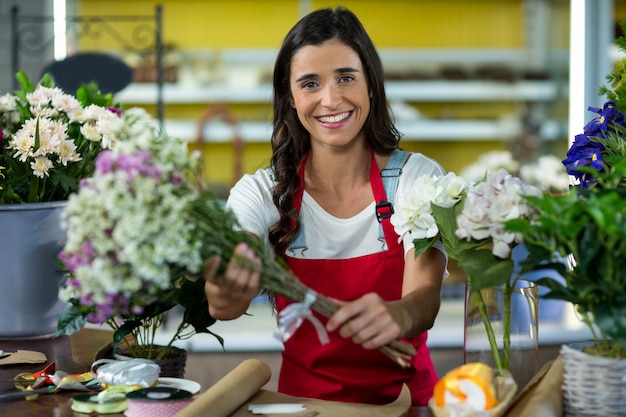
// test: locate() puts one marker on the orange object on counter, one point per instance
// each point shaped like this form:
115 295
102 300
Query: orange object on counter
470 385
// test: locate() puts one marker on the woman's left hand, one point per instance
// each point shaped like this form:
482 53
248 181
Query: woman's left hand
369 321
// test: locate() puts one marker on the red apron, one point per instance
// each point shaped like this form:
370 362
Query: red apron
342 370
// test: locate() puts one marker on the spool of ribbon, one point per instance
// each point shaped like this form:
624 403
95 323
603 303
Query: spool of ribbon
106 402
292 316
142 372
157 402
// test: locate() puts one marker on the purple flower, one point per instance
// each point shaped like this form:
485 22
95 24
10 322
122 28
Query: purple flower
113 305
137 310
84 255
115 110
1 135
583 152
138 164
104 162
609 117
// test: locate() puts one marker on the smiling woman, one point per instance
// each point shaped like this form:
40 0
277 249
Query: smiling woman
324 206
330 92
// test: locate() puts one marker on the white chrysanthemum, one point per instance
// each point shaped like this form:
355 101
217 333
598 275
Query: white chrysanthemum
65 103
67 152
8 102
90 132
42 96
40 166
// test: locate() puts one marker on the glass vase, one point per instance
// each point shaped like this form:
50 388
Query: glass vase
511 312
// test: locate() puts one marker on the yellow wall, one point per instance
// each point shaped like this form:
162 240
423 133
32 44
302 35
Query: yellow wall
390 23
217 24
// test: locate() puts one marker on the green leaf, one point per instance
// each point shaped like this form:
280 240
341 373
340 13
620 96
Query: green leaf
24 81
484 269
421 245
124 330
71 320
90 94
611 319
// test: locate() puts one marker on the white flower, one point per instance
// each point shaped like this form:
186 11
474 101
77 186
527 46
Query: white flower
65 103
40 166
489 205
413 212
7 103
547 172
490 162
90 132
129 224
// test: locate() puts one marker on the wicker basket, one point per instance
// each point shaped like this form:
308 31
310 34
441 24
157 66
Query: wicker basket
592 385
505 391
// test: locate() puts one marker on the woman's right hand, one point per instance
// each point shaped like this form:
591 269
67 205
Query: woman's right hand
230 294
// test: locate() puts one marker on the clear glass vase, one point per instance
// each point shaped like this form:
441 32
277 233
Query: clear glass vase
521 327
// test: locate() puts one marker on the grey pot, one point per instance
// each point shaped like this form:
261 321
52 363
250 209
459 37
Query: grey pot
31 239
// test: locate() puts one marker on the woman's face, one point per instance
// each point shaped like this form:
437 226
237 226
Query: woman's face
330 92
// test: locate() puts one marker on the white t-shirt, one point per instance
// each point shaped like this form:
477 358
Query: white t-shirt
327 237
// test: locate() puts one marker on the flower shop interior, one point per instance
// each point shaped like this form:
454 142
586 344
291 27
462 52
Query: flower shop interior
470 83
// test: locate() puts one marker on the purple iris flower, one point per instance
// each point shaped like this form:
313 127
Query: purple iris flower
1 135
583 152
609 116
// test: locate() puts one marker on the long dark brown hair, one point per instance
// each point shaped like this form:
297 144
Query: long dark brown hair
290 140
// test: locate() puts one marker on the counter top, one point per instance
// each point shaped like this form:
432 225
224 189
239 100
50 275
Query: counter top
72 354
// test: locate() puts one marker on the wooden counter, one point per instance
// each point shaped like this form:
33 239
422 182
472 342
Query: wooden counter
73 354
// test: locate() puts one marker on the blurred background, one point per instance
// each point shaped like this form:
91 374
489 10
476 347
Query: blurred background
465 77
472 83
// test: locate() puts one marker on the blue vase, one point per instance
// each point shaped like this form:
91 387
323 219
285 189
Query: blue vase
31 239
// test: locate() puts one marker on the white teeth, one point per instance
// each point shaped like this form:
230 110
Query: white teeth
334 119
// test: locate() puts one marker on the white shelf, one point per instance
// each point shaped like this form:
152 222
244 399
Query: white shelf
412 91
420 129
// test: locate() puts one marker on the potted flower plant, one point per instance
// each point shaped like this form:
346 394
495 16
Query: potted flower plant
48 142
468 219
587 226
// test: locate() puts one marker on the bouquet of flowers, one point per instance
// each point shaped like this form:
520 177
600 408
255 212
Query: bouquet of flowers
469 219
138 234
587 224
131 239
49 140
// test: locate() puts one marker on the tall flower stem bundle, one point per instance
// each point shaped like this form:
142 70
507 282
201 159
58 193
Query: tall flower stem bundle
220 238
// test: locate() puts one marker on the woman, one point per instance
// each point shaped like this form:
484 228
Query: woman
318 206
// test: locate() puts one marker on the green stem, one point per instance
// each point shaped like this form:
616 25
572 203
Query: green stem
507 292
489 329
